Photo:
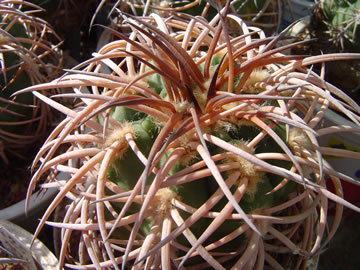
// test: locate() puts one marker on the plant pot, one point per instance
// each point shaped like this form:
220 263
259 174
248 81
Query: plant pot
38 204
295 9
17 241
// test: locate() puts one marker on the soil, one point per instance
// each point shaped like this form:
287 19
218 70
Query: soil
343 250
15 175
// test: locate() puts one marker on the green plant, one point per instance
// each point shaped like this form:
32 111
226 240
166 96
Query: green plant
29 54
342 20
191 147
334 28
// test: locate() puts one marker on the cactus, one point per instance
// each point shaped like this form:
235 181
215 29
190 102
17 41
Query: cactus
29 55
341 19
259 13
333 28
193 148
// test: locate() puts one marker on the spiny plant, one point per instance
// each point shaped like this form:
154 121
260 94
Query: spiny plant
342 19
334 28
194 149
29 54
261 13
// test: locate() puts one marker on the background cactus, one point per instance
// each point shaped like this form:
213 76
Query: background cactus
341 18
29 54
259 13
334 28
191 147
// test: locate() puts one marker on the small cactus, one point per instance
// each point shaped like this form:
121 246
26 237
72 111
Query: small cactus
193 148
342 20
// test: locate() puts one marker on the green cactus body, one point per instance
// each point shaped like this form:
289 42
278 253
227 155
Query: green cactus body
125 170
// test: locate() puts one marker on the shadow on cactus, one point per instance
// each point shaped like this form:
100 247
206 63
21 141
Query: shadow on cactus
192 148
29 54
